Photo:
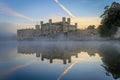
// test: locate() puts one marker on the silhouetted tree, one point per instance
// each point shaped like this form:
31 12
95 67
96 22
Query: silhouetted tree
110 20
91 27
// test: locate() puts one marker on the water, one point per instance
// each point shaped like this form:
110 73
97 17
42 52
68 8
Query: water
60 60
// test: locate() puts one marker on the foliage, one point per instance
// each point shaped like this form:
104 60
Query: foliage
110 20
91 27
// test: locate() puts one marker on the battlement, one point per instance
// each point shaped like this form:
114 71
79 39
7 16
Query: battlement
47 29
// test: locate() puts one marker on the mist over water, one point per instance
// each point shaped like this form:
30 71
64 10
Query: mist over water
60 60
7 31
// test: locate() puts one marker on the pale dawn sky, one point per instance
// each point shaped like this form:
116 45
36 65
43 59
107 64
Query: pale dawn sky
17 14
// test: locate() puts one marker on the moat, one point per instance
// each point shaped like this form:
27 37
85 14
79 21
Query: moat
60 60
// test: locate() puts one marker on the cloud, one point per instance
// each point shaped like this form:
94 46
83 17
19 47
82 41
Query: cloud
64 8
6 10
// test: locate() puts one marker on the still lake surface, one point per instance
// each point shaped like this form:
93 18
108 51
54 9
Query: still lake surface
60 60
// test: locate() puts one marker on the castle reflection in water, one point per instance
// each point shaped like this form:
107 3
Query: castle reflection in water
108 52
55 51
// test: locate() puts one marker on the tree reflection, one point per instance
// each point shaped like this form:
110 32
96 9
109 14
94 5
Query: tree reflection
111 58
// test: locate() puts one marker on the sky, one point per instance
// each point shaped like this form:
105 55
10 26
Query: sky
18 14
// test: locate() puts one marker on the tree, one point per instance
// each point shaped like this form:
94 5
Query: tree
91 27
110 20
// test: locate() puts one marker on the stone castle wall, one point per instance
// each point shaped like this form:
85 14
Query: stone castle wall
46 29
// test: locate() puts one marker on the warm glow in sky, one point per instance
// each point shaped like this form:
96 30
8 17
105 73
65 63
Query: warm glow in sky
27 13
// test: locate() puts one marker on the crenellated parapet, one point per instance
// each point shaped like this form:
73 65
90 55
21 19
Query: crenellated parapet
47 29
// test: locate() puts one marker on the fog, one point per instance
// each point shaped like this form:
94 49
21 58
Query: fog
8 49
7 31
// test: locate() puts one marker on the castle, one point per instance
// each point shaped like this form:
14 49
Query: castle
46 29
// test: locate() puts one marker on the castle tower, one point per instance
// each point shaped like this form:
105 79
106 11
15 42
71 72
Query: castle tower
68 21
50 22
50 27
64 28
63 20
76 26
41 23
